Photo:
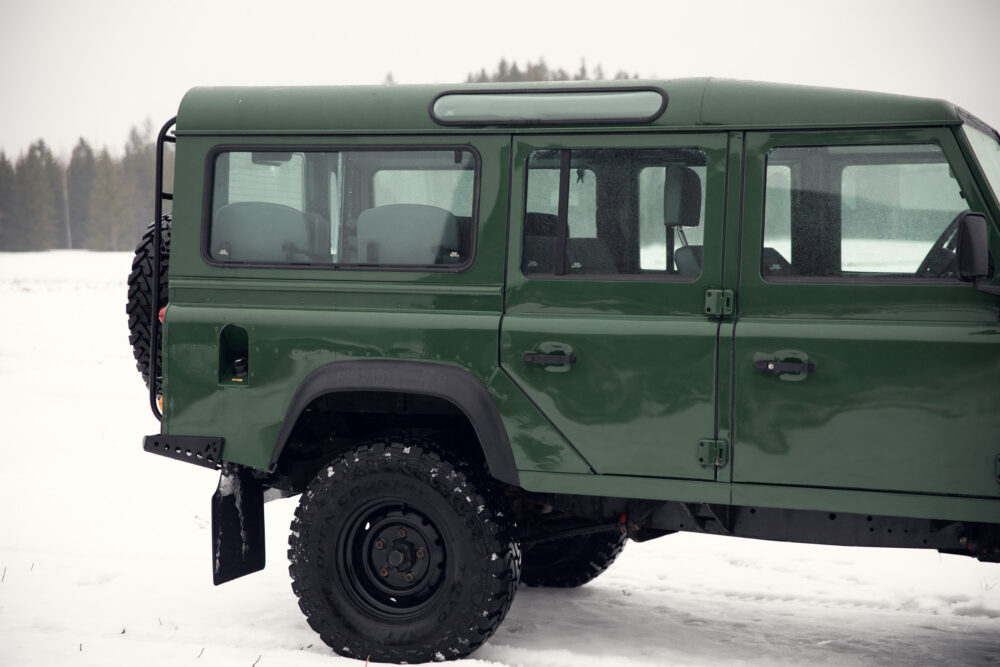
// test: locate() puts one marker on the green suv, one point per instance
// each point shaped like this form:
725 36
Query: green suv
490 334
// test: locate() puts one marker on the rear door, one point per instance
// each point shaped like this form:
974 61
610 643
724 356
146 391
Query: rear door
861 361
613 243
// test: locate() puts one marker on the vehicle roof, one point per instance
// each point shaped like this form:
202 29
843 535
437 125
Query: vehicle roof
704 103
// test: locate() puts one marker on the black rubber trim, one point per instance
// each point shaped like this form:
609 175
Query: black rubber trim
201 451
457 386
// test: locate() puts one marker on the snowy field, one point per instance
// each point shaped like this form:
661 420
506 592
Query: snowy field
104 550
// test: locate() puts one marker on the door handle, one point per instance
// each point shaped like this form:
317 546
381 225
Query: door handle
548 359
773 366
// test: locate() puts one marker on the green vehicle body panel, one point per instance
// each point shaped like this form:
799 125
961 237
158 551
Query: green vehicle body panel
900 417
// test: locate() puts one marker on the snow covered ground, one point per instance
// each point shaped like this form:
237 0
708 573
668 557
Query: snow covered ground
105 550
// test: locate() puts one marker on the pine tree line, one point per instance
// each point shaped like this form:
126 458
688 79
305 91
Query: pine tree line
540 72
95 202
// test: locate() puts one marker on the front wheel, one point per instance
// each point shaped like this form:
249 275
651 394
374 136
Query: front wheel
398 555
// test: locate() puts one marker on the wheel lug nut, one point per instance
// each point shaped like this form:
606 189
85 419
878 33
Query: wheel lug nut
384 572
420 553
402 532
408 576
380 545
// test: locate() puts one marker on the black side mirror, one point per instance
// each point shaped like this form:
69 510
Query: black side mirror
972 255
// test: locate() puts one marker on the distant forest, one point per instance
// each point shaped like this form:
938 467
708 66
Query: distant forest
100 202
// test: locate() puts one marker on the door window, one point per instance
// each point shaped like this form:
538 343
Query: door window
602 212
860 213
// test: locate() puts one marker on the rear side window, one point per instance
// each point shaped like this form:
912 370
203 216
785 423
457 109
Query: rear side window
869 213
614 212
358 208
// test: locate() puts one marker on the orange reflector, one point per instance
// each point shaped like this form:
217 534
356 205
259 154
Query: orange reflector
159 402
162 310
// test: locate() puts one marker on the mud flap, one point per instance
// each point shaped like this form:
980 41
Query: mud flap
237 525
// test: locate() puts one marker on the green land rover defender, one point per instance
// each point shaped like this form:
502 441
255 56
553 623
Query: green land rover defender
492 333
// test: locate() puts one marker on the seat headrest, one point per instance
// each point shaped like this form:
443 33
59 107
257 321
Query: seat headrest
254 231
408 234
681 197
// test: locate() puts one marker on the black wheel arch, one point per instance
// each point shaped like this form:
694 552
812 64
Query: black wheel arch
450 383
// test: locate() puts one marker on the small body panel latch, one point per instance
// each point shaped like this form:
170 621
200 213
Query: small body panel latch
713 453
718 302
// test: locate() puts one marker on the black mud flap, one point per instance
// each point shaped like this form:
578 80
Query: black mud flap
237 525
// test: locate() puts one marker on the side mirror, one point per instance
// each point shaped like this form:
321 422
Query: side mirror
972 255
972 249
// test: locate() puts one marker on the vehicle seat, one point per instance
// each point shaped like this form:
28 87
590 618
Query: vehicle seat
688 260
253 231
408 234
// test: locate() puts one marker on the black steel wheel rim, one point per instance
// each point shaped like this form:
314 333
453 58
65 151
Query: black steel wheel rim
392 559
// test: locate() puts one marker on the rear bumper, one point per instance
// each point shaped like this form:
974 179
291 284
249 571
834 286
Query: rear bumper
201 451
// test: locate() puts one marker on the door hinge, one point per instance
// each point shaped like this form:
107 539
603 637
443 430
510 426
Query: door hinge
713 453
719 302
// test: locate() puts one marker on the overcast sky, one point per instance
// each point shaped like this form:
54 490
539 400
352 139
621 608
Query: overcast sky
94 68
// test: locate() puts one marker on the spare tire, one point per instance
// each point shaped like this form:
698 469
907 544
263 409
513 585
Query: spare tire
140 301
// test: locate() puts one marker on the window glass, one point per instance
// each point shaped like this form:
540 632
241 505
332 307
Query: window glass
259 177
451 190
987 149
652 230
629 212
548 106
361 208
543 196
860 212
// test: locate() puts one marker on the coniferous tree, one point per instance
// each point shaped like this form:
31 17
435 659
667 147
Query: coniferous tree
79 183
112 230
138 165
56 173
6 200
36 224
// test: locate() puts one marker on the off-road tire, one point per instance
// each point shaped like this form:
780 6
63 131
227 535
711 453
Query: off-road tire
140 290
393 508
571 561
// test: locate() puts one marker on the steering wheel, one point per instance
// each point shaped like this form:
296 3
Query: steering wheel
940 259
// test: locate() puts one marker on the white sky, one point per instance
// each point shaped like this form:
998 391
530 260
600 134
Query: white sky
94 68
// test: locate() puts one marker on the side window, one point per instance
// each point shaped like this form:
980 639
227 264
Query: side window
860 212
632 212
363 208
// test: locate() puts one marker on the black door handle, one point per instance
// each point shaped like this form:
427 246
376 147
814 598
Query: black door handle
548 359
773 366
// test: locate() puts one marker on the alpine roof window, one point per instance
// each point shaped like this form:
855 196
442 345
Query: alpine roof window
395 209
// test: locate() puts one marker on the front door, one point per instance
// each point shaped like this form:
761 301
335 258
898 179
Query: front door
861 361
613 242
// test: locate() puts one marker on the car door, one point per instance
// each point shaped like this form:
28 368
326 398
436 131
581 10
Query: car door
861 362
613 243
